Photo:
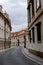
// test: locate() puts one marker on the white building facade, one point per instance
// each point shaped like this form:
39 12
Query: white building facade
5 30
35 26
20 38
14 41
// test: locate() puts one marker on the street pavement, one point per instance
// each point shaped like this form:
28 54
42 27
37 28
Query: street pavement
14 56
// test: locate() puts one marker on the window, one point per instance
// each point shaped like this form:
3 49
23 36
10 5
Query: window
38 4
38 32
32 2
33 35
30 36
29 14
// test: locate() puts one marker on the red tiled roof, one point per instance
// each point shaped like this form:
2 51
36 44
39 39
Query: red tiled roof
22 32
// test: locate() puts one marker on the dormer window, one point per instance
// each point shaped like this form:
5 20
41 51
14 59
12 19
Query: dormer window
38 4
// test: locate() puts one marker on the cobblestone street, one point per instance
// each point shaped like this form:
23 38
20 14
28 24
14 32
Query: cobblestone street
14 56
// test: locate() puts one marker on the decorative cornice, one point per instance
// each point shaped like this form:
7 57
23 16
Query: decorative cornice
5 19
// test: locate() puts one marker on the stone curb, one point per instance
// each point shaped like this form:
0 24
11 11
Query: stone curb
34 58
4 50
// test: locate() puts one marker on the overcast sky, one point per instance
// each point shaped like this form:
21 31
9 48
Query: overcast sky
17 12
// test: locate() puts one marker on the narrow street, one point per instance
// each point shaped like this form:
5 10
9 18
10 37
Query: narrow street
21 32
14 56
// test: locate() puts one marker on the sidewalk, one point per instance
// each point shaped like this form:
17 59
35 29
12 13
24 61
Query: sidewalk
32 57
4 50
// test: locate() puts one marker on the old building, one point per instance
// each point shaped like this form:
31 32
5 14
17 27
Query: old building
5 30
35 26
20 38
14 39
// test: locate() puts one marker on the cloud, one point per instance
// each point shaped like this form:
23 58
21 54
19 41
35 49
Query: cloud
17 1
3 1
17 12
19 27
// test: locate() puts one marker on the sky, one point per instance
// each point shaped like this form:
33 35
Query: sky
17 10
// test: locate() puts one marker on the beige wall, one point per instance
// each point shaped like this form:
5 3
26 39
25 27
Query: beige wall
1 28
13 41
37 46
21 39
8 32
3 31
42 3
27 41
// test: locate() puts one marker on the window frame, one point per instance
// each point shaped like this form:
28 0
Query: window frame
29 13
38 6
38 39
33 10
30 36
33 34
